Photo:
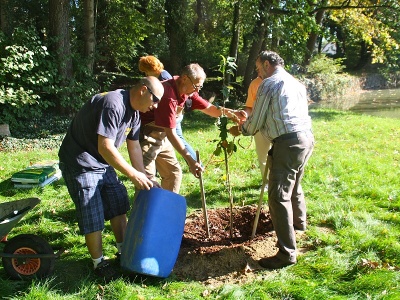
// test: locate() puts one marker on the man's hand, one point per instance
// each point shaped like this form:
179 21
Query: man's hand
242 116
234 130
237 116
114 158
195 168
141 181
156 184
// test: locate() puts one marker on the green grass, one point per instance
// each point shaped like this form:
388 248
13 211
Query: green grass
352 187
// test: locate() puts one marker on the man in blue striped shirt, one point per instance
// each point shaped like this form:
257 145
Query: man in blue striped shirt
280 113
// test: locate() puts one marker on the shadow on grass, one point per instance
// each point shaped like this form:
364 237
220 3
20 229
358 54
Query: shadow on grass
67 278
326 114
65 273
7 188
216 195
197 121
136 278
9 287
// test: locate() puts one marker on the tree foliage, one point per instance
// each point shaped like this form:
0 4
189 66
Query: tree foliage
180 32
366 28
28 76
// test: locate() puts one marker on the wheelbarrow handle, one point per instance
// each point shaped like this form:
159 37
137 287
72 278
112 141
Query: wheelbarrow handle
15 213
43 255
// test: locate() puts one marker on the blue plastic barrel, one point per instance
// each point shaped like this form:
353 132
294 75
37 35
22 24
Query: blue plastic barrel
154 233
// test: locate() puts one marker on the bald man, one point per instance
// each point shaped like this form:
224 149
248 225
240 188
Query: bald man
89 157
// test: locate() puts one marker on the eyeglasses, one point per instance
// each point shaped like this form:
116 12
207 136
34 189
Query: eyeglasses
196 87
155 99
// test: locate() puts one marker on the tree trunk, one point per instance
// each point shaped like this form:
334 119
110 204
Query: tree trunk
175 26
199 13
5 17
59 31
312 38
259 36
89 30
233 48
275 39
364 57
253 54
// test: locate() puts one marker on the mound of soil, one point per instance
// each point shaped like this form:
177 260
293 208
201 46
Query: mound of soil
227 255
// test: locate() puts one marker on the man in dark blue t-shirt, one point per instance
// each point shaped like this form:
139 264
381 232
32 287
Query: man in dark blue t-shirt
89 156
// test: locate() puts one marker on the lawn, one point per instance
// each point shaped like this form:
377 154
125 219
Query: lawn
352 189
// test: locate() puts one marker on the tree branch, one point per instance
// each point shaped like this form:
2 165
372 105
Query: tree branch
342 7
345 5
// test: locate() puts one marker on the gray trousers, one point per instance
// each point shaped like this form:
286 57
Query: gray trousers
286 160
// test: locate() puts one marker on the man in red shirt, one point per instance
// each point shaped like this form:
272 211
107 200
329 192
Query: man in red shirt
158 137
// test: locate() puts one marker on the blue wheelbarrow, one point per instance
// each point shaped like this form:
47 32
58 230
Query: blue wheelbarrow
25 256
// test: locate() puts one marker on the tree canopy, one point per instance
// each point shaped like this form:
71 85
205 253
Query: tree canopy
85 39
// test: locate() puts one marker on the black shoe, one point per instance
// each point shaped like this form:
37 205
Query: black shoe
106 271
274 262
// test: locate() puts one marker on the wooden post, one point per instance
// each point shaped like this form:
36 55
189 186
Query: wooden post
203 198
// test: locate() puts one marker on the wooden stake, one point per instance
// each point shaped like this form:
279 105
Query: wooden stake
203 198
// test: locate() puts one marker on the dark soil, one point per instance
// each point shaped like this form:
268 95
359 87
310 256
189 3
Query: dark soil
228 255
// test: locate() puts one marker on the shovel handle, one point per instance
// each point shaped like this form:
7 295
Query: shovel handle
260 200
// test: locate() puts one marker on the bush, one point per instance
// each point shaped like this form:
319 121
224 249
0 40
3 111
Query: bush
27 74
81 87
30 85
329 87
325 79
321 64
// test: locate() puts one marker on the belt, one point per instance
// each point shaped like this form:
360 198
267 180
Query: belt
287 136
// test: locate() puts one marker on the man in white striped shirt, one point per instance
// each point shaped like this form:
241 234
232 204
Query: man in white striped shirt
280 113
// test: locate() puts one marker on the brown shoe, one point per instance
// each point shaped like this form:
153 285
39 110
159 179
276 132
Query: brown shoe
274 262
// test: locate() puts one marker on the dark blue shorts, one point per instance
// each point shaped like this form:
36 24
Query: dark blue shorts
98 196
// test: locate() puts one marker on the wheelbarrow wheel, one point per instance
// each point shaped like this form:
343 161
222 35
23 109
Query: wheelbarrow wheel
27 268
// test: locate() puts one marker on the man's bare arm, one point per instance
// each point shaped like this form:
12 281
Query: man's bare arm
114 158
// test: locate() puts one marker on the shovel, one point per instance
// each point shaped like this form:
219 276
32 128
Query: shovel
203 197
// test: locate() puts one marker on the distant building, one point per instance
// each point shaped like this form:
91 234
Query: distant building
329 48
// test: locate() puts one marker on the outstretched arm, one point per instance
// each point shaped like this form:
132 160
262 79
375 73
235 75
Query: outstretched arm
238 116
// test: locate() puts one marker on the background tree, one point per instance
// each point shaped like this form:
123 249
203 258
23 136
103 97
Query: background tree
5 16
96 43
120 29
59 32
367 32
176 28
89 30
234 46
257 38
314 33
